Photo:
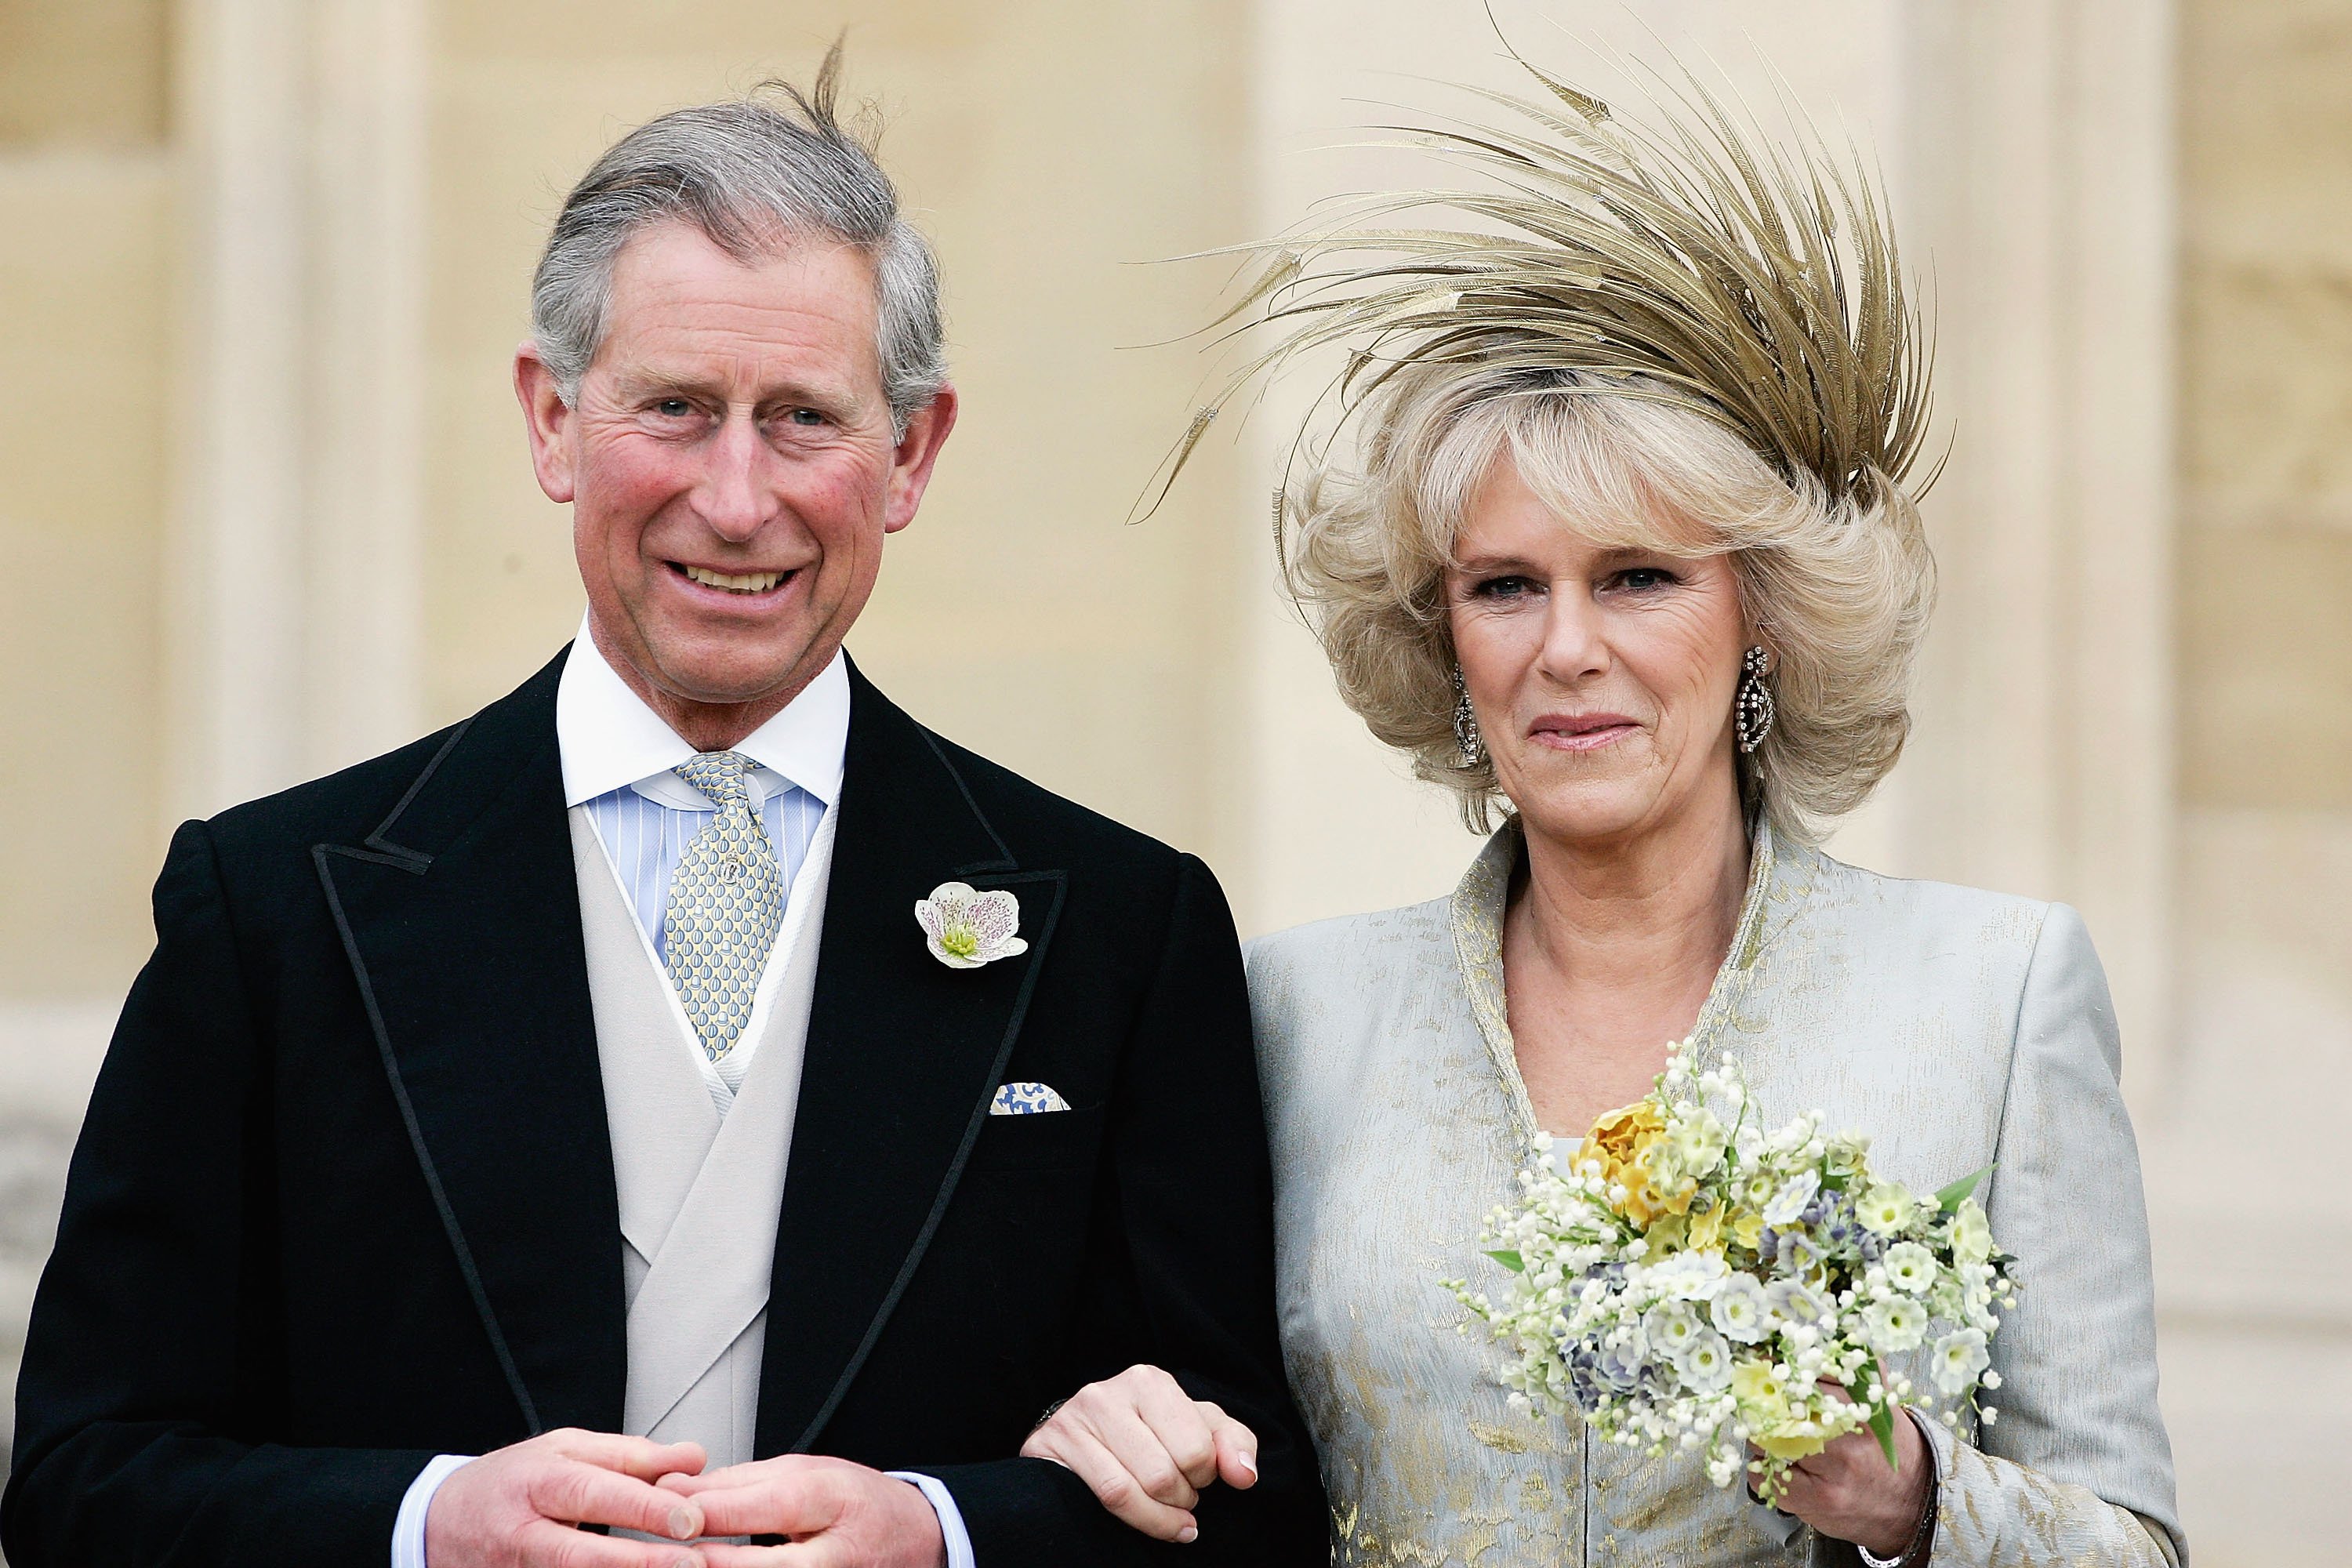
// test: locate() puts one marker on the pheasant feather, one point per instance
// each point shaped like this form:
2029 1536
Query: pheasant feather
1756 284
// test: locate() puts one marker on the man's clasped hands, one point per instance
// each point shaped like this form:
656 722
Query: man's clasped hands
1143 1448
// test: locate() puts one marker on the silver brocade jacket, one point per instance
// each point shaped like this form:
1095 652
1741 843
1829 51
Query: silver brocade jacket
1957 1029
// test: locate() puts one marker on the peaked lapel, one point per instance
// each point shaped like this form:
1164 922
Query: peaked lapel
904 1055
461 915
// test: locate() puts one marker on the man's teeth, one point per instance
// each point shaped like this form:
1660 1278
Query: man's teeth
749 582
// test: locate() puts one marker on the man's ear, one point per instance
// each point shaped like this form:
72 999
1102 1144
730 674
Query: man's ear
911 461
548 420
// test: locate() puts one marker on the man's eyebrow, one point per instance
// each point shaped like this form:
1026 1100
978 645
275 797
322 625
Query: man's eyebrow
646 380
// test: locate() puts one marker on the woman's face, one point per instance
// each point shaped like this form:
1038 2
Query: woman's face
1602 677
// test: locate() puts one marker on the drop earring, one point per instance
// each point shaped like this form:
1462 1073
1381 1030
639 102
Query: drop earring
1752 711
1468 744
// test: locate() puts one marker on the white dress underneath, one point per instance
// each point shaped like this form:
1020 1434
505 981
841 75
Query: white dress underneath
1957 1027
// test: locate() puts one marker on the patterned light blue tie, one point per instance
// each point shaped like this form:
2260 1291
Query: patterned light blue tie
726 902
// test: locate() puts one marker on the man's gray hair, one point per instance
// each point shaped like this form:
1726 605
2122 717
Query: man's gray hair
752 175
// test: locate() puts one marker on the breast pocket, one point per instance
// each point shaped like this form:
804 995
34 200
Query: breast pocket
1047 1140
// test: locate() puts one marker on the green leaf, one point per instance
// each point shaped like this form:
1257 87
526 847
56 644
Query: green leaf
1951 1197
1882 1424
1881 1417
1510 1261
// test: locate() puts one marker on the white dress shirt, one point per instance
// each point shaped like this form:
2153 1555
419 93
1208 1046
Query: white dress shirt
618 754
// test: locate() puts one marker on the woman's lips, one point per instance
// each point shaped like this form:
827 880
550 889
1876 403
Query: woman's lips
1583 732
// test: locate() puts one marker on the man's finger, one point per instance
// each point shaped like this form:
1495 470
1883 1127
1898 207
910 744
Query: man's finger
546 1544
571 1492
1118 1490
793 1505
639 1456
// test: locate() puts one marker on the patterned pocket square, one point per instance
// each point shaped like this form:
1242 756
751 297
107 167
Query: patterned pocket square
1027 1099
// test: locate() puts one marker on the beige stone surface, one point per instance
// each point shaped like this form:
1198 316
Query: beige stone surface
84 278
84 72
2265 618
2266 397
2257 1334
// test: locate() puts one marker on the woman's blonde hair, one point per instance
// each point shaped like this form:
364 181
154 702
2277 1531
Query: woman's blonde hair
1841 584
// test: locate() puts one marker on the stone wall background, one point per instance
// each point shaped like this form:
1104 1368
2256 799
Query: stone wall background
233 563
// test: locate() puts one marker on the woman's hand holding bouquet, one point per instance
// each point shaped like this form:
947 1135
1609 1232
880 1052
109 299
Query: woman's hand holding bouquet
1693 1283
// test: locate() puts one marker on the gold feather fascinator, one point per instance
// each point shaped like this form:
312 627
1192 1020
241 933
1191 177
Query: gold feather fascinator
1691 261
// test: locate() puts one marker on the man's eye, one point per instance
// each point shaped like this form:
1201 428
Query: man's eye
673 408
804 416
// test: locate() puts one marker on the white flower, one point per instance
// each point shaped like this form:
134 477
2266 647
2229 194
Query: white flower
1796 1301
1790 1199
1687 1276
1971 1238
1706 1362
1741 1311
1886 1208
1698 1142
1671 1326
966 929
1896 1325
1910 1268
1956 1360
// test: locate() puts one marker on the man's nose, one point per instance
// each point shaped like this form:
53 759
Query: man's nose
735 497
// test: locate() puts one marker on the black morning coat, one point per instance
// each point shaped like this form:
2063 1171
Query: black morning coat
344 1199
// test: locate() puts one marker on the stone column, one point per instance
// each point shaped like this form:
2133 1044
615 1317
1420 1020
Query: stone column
293 597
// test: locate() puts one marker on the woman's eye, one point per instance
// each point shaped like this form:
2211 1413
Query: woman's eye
1502 587
1642 578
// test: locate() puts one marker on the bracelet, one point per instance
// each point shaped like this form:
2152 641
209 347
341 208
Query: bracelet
1915 1550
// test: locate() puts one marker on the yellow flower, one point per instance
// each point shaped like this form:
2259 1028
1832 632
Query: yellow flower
1618 1138
1706 1229
1791 1448
1618 1144
1748 1229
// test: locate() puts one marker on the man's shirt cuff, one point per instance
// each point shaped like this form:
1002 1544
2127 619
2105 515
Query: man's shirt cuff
408 1529
943 1503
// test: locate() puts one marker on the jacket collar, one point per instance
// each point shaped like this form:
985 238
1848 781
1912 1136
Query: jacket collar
460 916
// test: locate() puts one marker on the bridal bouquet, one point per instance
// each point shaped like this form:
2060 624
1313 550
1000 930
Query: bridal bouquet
1693 1281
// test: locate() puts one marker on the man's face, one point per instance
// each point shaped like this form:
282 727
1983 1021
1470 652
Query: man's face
731 465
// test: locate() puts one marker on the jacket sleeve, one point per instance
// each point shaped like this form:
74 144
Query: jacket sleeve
1181 1276
2075 1467
147 1340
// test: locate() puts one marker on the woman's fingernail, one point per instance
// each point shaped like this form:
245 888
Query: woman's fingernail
1190 1532
1248 1463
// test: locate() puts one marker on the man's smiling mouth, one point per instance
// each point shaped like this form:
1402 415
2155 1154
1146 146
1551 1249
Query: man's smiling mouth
733 583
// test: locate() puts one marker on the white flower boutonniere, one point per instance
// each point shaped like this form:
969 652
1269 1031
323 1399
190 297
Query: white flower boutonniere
966 929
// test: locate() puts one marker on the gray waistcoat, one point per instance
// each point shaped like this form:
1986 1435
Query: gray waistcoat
698 1191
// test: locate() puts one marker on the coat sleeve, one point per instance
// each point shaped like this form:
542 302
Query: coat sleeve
1181 1276
147 1338
2076 1467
